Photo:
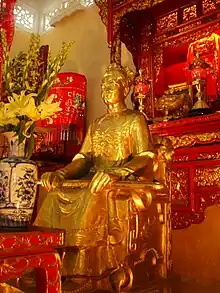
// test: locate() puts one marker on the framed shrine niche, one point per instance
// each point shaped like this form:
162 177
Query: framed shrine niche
161 36
65 132
159 39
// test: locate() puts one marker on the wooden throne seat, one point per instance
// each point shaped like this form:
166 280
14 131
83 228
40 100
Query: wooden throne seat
143 210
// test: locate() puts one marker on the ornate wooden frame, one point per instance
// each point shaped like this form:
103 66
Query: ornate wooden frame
196 140
195 174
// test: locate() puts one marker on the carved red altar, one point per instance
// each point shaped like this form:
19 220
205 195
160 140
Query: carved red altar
33 249
162 36
195 176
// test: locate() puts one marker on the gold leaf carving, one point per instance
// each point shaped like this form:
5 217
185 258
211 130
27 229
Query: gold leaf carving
179 184
192 139
207 177
209 156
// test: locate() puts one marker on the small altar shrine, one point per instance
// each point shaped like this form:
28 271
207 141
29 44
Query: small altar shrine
175 45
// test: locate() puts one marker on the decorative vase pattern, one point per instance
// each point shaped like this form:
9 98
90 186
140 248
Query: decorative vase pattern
18 186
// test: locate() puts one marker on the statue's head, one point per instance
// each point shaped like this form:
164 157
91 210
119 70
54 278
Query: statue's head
116 83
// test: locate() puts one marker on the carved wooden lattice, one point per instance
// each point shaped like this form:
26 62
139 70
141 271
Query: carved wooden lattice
24 17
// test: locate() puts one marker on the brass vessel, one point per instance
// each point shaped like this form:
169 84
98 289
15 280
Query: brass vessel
175 102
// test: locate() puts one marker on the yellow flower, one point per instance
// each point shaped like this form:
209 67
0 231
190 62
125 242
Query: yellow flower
31 110
7 117
47 108
22 104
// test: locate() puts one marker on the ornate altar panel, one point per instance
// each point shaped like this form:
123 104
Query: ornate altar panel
158 34
196 166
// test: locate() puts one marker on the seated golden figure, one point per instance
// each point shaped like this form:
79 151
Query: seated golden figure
117 149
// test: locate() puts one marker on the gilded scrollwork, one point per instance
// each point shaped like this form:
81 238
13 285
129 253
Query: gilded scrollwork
208 6
211 199
158 60
182 158
121 10
193 36
180 185
190 26
207 177
30 242
14 267
134 227
192 139
208 156
182 220
167 22
189 13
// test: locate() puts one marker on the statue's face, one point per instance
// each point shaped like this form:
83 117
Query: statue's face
113 90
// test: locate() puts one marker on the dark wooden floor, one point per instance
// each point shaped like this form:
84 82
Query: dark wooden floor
179 287
174 285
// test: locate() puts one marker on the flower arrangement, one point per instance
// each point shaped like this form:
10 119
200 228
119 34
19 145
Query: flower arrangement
25 85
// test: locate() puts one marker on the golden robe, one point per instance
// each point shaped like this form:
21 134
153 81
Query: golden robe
114 142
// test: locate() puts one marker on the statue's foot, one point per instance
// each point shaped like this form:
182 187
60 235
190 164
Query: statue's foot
115 232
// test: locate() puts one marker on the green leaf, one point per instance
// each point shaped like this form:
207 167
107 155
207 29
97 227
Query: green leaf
30 144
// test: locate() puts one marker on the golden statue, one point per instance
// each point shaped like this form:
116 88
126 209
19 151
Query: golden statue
117 148
5 288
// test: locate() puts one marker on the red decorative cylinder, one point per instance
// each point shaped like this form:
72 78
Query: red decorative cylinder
69 124
6 23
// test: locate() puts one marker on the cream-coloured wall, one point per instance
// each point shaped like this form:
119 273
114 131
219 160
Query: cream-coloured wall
20 42
89 55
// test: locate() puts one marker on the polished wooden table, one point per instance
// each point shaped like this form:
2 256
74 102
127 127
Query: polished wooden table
28 249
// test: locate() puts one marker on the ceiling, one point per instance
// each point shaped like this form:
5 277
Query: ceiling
43 5
50 10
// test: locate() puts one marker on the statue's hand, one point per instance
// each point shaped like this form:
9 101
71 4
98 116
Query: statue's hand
46 180
51 180
100 180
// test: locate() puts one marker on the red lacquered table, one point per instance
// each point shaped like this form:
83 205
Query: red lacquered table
22 251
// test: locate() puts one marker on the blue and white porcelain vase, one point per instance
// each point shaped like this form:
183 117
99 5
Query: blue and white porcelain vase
18 185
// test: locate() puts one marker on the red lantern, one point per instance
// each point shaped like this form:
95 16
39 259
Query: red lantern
141 90
140 87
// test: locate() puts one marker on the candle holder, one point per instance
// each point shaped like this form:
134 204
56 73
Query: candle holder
141 89
199 74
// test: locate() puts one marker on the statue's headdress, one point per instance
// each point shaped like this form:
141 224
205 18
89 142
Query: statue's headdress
123 74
